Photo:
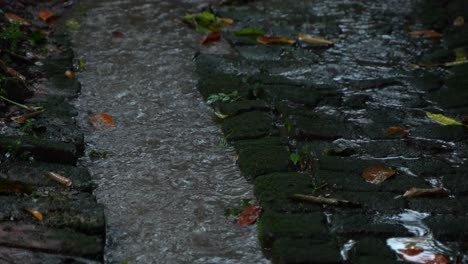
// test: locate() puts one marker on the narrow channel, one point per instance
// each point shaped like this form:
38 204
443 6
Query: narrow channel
165 182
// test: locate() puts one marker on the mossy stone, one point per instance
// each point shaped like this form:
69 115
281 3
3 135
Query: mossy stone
303 251
273 226
262 156
238 107
361 225
273 191
248 125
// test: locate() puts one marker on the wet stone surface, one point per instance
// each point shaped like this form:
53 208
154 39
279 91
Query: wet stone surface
333 107
41 219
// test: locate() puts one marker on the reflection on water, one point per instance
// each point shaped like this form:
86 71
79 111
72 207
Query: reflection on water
165 184
423 247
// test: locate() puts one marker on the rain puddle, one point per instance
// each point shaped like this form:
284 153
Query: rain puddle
423 247
164 182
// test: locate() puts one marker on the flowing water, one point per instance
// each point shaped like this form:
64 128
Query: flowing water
165 183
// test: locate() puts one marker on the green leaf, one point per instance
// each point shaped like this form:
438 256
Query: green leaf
444 120
250 32
36 37
295 158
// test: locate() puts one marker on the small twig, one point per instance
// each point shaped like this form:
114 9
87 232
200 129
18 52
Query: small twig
320 200
12 72
23 118
29 108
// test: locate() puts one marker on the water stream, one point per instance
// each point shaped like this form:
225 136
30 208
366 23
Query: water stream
165 183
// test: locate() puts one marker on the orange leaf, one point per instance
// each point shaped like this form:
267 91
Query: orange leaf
438 259
397 131
377 174
102 121
274 40
15 18
249 215
426 33
46 16
210 38
412 251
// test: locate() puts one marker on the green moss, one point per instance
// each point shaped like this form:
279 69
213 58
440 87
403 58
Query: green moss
301 251
262 156
248 125
273 191
238 107
273 226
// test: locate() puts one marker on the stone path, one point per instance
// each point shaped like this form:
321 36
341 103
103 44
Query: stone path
332 108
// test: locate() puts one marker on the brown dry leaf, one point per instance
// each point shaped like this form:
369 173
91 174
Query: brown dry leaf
391 131
377 174
70 74
59 178
117 34
15 18
46 16
23 118
34 213
459 21
210 38
419 192
102 121
274 40
313 40
249 215
426 33
12 72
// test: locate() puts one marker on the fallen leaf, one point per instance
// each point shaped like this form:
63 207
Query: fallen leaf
250 32
313 40
412 251
249 215
34 213
459 21
117 34
392 131
12 187
23 118
46 16
102 121
59 178
320 200
210 38
274 40
456 62
426 33
228 21
419 192
444 120
438 259
70 74
15 18
377 174
220 115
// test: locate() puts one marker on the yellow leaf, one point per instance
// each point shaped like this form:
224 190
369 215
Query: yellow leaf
444 120
35 213
456 62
